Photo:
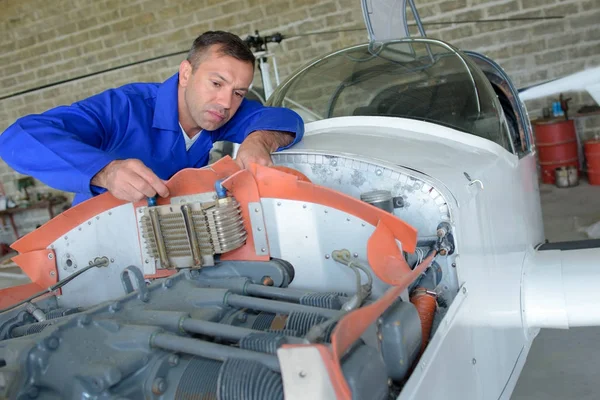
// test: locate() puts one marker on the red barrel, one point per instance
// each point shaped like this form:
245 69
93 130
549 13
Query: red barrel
592 157
557 147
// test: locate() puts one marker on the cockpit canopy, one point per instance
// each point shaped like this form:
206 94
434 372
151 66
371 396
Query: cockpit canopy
422 79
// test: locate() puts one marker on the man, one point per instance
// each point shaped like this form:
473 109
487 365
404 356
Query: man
130 139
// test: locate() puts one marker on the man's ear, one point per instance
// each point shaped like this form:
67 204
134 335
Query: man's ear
185 71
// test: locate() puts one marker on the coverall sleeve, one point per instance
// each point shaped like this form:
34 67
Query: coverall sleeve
63 147
253 116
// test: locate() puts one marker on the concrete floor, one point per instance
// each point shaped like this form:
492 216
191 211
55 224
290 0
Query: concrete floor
562 364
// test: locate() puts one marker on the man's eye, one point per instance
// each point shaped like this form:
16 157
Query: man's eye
239 94
216 84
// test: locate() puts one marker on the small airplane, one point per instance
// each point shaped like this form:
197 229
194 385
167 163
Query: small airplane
397 251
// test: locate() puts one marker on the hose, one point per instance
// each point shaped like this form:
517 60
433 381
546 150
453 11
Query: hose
425 302
103 262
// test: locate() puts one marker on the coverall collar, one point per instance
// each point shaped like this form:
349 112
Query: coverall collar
166 113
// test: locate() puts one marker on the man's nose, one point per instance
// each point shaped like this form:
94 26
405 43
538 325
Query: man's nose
225 98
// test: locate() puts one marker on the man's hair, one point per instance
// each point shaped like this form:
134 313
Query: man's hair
228 45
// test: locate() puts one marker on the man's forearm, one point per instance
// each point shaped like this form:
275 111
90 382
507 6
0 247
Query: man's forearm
273 139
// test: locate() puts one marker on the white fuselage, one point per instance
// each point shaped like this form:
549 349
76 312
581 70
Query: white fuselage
480 347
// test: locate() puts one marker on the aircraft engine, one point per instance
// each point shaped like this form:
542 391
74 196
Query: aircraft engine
243 284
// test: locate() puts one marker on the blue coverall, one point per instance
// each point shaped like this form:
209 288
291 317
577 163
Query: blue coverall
66 146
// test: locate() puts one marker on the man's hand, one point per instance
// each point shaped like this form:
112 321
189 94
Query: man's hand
130 180
257 147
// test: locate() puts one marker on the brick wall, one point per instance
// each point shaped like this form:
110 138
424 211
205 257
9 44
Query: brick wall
42 42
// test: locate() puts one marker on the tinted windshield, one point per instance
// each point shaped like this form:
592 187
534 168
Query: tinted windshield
415 78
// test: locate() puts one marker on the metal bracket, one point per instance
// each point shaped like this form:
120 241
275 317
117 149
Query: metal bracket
144 295
259 233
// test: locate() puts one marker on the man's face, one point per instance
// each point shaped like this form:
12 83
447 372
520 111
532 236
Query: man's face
214 91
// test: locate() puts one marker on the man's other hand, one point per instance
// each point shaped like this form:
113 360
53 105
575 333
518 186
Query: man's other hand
257 147
130 180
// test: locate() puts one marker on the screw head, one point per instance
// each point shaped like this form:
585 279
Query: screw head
33 392
173 360
268 281
159 386
52 343
84 320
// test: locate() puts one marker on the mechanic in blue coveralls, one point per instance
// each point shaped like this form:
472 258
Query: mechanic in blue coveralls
129 140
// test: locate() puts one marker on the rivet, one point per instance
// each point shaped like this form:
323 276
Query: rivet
278 203
362 224
110 213
140 210
327 256
259 229
52 273
474 361
146 261
326 211
348 219
79 228
302 374
112 260
256 210
378 172
453 265
355 255
304 206
89 222
263 250
464 290
334 163
50 256
97 217
66 237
